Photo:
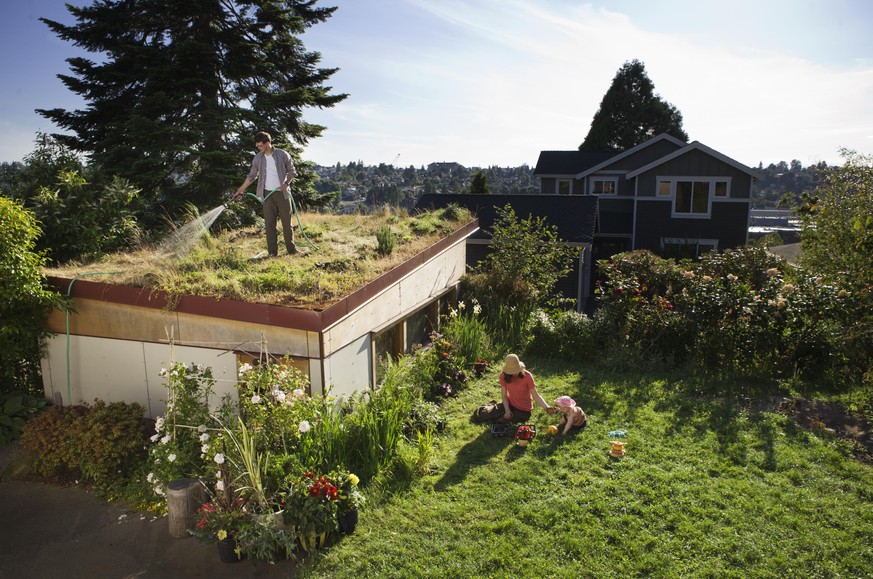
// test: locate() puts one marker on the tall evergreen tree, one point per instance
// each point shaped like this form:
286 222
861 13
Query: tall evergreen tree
177 90
479 184
631 112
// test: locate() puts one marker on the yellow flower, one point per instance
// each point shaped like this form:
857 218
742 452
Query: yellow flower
222 535
353 478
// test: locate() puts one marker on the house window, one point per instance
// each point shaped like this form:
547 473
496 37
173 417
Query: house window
692 197
563 187
601 186
387 344
665 188
687 248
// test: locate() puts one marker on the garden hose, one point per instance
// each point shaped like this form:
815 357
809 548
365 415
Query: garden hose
293 209
67 308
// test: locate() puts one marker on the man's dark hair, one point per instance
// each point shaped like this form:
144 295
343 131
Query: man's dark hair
262 137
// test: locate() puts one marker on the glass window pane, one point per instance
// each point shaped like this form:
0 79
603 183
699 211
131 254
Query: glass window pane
663 188
563 187
721 189
683 197
701 197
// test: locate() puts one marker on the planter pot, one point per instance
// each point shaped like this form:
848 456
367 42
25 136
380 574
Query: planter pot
311 541
348 521
227 550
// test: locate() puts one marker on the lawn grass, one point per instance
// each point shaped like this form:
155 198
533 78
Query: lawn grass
706 489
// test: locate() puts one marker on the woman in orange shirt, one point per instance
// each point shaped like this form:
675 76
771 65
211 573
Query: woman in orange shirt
518 391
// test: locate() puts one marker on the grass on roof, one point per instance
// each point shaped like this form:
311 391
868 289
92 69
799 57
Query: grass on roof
342 258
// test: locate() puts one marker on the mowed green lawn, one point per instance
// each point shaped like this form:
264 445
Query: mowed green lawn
705 490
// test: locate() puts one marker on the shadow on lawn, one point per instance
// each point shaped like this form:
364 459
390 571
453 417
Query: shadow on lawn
475 453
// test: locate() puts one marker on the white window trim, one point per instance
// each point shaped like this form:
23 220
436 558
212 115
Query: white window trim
710 198
613 180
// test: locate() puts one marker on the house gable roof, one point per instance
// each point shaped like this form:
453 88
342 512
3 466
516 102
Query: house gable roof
574 216
631 151
568 163
695 146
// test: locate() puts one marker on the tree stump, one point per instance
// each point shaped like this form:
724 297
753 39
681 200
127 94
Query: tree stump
184 497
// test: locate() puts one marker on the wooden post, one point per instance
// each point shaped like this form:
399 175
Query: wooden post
184 497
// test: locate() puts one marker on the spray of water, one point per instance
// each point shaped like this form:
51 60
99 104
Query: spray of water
183 239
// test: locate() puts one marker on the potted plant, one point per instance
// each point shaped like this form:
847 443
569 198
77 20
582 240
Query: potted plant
220 522
312 506
350 500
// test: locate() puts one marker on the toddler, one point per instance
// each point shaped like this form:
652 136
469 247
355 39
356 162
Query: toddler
574 417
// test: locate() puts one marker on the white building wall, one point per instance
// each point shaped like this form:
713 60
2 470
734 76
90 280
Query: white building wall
126 371
348 370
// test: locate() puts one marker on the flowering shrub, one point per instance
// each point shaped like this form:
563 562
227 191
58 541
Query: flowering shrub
274 403
740 310
465 328
448 376
183 435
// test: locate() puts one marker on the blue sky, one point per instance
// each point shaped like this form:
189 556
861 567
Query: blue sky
494 82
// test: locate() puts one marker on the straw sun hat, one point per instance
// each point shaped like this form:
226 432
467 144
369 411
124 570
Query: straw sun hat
512 365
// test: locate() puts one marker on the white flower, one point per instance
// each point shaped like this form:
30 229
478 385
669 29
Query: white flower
461 305
453 313
159 423
219 458
298 393
151 477
731 277
204 449
163 373
279 394
204 437
244 368
477 309
159 490
256 399
218 475
304 426
165 439
201 428
172 457
219 486
155 437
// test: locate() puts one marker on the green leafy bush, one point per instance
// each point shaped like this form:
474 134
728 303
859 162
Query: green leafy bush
570 335
24 300
739 311
96 443
16 408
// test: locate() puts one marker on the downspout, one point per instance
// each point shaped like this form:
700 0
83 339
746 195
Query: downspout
67 312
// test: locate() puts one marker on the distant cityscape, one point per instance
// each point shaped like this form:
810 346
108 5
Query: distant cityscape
375 185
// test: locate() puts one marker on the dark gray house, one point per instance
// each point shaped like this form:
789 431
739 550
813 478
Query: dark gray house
674 198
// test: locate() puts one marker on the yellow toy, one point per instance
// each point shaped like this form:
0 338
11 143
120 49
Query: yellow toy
552 430
617 449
